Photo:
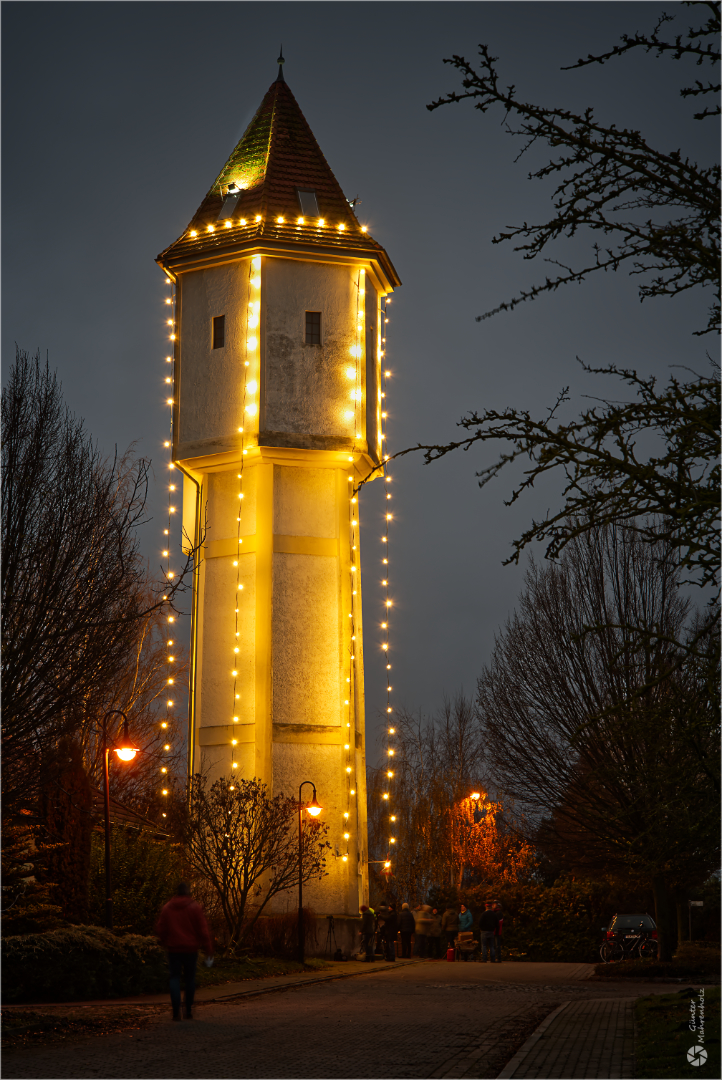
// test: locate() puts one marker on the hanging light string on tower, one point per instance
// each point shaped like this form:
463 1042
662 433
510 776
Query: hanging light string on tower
389 740
357 396
248 410
171 641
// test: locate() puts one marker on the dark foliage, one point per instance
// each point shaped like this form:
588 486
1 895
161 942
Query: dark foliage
560 922
29 902
698 960
67 817
146 871
80 962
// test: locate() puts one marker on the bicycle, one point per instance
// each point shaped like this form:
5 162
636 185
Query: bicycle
612 952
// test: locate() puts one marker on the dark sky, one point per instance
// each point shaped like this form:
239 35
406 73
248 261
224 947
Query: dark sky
117 119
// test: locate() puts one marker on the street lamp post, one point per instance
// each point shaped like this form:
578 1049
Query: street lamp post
125 752
314 810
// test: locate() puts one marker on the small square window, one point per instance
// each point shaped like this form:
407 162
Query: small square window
219 332
313 327
308 202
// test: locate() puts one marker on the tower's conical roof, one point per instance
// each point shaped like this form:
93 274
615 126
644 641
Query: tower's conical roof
277 155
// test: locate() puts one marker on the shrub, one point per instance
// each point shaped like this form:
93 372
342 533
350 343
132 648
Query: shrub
696 960
559 922
145 875
80 963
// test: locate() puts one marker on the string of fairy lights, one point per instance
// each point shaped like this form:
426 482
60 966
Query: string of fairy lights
355 374
249 409
389 740
170 642
357 394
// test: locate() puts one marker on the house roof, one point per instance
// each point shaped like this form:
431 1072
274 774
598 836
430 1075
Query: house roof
277 155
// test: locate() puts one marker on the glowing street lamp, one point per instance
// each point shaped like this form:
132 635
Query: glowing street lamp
126 752
480 809
314 809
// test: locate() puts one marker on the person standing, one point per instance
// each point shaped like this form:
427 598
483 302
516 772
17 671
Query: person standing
435 935
488 925
466 920
182 930
450 925
423 924
391 926
367 932
497 938
466 923
381 913
407 925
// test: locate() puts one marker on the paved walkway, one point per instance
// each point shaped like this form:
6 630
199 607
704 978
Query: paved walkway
580 1039
410 1020
232 990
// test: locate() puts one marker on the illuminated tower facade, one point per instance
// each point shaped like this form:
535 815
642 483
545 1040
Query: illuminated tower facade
276 419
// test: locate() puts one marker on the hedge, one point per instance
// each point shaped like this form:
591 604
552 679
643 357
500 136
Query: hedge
559 922
80 963
698 961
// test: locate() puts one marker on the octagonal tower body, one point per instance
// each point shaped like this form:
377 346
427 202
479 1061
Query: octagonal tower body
277 399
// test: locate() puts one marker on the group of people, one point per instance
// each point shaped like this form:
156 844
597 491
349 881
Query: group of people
183 930
430 930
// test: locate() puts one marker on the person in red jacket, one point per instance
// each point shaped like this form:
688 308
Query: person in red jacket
183 930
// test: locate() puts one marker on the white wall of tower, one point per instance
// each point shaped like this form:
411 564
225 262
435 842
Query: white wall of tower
290 720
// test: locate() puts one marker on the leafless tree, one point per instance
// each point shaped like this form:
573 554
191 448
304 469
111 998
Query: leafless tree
244 842
654 212
142 693
440 832
580 725
612 181
76 596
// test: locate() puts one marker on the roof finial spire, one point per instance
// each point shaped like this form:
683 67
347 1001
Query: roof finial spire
280 63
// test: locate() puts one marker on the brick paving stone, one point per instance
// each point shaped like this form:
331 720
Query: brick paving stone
415 1021
593 1038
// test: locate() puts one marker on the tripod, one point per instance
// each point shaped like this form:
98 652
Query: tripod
330 946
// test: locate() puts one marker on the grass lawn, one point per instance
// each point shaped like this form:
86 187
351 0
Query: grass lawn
664 1034
227 970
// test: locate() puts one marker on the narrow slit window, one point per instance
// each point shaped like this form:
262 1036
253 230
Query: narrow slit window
313 327
308 202
219 332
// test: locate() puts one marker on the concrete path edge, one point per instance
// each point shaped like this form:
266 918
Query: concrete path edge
303 981
510 1068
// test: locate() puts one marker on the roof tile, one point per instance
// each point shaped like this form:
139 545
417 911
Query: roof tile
277 154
